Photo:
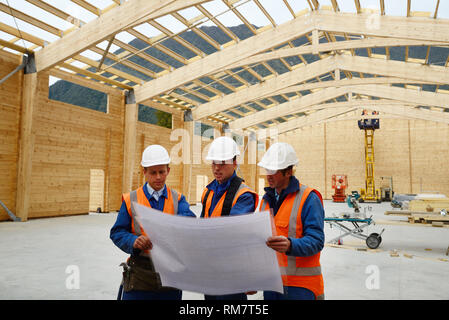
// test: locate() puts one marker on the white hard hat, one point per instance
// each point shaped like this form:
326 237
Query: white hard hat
279 156
222 149
154 155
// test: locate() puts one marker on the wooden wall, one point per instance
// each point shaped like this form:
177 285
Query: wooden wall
414 152
10 101
70 142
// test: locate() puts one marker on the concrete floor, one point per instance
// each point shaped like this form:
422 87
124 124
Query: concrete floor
40 258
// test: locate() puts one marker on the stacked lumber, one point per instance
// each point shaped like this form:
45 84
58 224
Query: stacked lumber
429 205
433 218
436 219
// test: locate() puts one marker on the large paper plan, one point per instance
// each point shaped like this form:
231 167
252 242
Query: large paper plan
212 256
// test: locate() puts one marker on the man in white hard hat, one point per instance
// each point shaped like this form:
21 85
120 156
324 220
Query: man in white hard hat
299 244
140 281
226 195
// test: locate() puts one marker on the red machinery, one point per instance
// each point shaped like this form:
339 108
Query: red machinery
339 183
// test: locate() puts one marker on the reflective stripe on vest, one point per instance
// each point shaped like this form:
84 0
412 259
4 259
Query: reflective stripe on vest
291 269
310 277
219 206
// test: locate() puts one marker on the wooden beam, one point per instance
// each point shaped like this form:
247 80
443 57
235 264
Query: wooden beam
346 82
382 7
436 9
300 74
406 111
314 118
26 145
95 76
55 11
305 105
64 75
21 34
407 95
110 23
384 26
14 46
392 68
332 46
219 60
31 20
287 108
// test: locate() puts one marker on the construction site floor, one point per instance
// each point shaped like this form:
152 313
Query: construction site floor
40 257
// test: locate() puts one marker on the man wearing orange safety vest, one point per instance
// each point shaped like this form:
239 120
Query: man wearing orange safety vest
299 220
140 280
226 195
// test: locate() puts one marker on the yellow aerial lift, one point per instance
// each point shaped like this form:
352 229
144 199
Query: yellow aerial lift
370 193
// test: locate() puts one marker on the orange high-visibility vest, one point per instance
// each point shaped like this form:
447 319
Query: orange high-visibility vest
170 205
219 206
302 272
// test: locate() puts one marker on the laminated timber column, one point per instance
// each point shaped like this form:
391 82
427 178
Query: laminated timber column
26 139
129 140
187 155
251 156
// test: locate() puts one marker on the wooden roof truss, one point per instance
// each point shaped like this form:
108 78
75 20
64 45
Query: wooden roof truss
320 63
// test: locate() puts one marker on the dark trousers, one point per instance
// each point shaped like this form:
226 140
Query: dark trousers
235 296
150 295
290 293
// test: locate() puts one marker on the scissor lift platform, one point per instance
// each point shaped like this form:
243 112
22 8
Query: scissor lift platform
358 224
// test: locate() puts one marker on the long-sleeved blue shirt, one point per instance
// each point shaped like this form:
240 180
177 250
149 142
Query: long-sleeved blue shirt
245 203
312 218
121 233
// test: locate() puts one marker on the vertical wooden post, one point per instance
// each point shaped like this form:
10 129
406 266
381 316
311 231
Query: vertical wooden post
129 141
142 149
252 160
325 160
26 140
187 155
410 158
107 171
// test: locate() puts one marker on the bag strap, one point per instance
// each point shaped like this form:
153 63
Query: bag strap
203 210
230 194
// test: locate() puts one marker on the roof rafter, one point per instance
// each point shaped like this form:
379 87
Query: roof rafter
308 103
331 46
382 26
220 59
327 113
303 73
110 23
408 70
313 118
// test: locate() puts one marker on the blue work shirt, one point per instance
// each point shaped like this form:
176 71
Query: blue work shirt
312 218
121 233
245 203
